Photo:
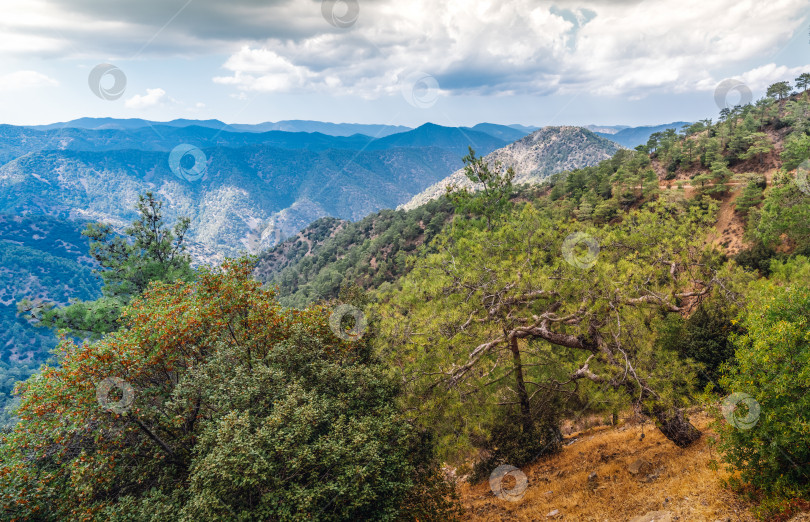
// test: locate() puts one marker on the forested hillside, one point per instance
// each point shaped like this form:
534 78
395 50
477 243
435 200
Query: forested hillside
375 365
40 258
329 254
672 237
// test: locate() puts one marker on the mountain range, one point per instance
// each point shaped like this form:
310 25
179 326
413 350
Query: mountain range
260 184
257 187
507 132
328 128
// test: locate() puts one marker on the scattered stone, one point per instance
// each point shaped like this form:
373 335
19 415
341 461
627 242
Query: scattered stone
553 513
639 466
593 477
654 516
649 478
549 492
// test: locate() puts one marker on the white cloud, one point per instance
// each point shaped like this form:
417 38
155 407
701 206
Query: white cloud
523 47
152 98
761 77
627 48
23 80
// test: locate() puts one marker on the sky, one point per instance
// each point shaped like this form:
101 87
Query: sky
450 62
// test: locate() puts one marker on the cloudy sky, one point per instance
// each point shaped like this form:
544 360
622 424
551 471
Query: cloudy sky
452 62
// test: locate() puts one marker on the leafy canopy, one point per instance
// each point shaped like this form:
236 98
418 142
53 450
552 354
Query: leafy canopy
242 410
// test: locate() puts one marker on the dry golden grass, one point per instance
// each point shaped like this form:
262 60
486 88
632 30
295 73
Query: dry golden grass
685 485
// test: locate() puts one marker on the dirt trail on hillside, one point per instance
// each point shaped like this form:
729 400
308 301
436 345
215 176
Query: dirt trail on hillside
730 226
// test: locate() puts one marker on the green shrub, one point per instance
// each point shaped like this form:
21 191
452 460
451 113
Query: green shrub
703 337
797 149
757 258
772 366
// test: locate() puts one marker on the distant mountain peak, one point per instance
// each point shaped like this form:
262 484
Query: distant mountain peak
534 157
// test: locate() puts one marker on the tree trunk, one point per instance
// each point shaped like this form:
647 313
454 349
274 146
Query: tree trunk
523 396
673 425
668 419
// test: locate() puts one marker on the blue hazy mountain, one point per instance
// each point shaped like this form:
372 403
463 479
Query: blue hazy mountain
506 132
631 137
18 141
328 128
258 188
432 135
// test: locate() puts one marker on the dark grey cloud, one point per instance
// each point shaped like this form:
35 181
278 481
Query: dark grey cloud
123 28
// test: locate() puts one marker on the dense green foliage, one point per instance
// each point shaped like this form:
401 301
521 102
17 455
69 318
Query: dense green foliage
751 197
785 215
240 410
704 337
768 441
502 316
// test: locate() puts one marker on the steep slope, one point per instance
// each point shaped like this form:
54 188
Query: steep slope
678 484
329 253
535 157
40 257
